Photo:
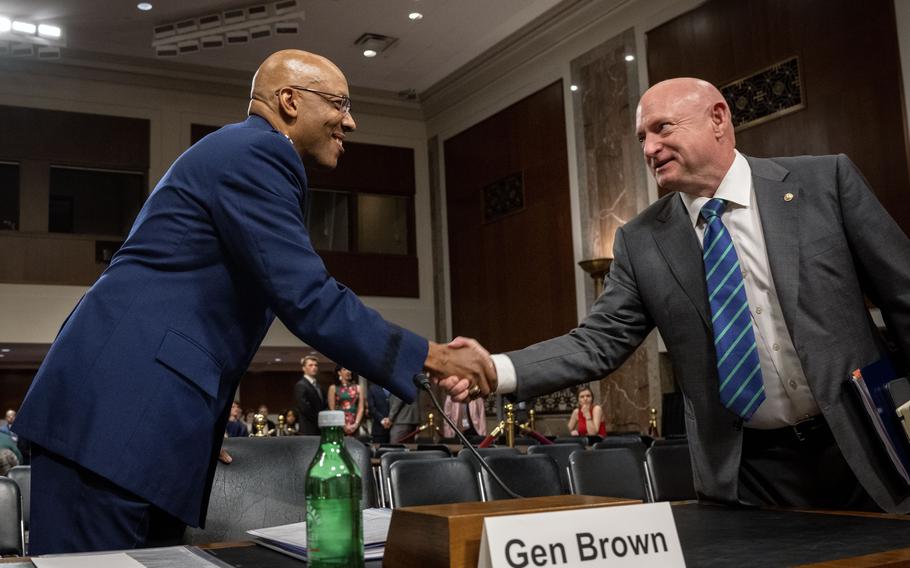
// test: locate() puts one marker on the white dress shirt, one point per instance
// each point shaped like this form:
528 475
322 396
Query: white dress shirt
788 399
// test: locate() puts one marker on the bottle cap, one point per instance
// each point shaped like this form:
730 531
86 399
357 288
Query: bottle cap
330 418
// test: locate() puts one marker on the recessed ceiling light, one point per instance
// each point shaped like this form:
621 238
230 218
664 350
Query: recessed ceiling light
573 88
5 24
630 58
46 30
2 355
278 359
369 53
415 16
144 6
5 350
24 27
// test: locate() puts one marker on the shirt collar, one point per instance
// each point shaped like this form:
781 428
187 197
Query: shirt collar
311 379
736 187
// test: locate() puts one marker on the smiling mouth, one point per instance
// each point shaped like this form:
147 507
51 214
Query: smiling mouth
339 139
659 165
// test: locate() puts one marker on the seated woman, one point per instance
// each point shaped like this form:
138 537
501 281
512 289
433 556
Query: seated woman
345 396
588 418
291 423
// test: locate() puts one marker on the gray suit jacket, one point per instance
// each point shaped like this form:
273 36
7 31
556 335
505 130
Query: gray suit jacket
828 246
401 412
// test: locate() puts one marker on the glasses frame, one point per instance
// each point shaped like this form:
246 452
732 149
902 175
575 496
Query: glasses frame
342 103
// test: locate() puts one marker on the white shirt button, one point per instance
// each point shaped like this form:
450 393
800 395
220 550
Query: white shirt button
793 384
776 346
758 310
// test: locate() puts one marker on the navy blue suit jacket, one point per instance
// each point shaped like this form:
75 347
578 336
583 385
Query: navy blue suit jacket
138 385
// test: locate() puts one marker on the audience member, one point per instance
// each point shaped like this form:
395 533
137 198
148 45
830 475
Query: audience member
8 461
378 408
291 423
270 426
6 442
469 416
345 396
308 397
235 427
404 418
8 423
588 418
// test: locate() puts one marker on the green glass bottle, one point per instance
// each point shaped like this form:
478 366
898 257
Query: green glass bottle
334 522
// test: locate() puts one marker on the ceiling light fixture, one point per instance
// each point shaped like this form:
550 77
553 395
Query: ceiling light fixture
45 30
5 350
372 45
144 6
5 24
573 88
24 28
18 38
630 58
415 16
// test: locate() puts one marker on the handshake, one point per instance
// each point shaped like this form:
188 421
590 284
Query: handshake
463 368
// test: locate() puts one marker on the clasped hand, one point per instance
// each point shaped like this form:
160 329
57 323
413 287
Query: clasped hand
460 366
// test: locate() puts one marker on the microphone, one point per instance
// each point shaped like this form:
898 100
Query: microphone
422 382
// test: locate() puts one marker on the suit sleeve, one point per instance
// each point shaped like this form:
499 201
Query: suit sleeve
881 251
257 212
617 324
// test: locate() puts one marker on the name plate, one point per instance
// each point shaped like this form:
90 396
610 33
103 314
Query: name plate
630 536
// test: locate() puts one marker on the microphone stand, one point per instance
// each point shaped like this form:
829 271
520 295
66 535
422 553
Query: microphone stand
423 383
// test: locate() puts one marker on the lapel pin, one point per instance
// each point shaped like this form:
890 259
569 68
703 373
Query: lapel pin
788 196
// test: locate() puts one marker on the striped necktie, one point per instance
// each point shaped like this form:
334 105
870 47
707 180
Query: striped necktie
738 368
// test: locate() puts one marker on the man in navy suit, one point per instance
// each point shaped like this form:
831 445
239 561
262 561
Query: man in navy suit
378 407
128 410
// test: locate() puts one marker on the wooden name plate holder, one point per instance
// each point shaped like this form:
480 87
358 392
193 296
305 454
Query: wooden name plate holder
449 535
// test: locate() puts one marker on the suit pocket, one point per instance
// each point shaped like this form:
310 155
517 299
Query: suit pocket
189 360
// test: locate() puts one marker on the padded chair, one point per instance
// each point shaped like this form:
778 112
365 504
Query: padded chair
670 472
386 461
465 454
265 485
560 454
611 472
22 475
526 441
528 475
671 441
632 442
578 440
381 451
12 535
432 482
440 447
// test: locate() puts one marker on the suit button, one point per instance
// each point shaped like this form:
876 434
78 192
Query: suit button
793 385
776 346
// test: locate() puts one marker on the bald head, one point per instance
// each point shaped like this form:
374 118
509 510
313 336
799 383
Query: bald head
305 97
686 135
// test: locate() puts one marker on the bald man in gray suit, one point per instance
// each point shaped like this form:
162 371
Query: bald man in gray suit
811 241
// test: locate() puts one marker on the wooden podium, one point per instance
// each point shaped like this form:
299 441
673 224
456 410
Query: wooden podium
449 535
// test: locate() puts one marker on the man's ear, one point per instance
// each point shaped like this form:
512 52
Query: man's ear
720 119
287 103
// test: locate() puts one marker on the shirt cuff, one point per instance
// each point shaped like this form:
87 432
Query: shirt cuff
505 374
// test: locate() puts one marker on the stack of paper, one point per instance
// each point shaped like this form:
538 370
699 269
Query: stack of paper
291 539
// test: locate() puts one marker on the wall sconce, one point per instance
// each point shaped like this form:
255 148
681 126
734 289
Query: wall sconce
597 268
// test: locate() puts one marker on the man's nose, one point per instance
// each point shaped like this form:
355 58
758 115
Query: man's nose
348 124
651 147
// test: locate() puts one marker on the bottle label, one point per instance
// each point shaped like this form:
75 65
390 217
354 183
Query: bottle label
334 532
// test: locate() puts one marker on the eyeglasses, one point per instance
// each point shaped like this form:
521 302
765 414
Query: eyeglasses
342 103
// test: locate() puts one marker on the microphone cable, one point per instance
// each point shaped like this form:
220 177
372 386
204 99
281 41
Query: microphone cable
423 383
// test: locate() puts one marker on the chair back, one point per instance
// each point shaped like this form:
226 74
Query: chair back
632 442
579 440
12 535
465 454
381 451
387 459
266 483
535 475
670 471
22 475
440 447
432 482
560 454
610 472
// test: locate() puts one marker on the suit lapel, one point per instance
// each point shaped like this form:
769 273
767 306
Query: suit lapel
780 223
678 244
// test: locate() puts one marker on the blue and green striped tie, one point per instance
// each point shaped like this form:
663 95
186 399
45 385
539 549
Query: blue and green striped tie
741 387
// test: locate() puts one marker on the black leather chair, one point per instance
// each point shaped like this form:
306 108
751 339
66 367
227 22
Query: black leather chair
527 475
381 451
465 454
670 471
12 535
386 461
265 485
578 440
632 442
440 447
560 454
22 475
610 472
432 482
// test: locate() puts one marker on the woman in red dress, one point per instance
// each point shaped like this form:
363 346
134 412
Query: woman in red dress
588 418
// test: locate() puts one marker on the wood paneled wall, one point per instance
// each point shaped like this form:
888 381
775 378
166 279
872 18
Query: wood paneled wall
850 69
512 279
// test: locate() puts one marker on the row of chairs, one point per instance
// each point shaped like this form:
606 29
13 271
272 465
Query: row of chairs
659 473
